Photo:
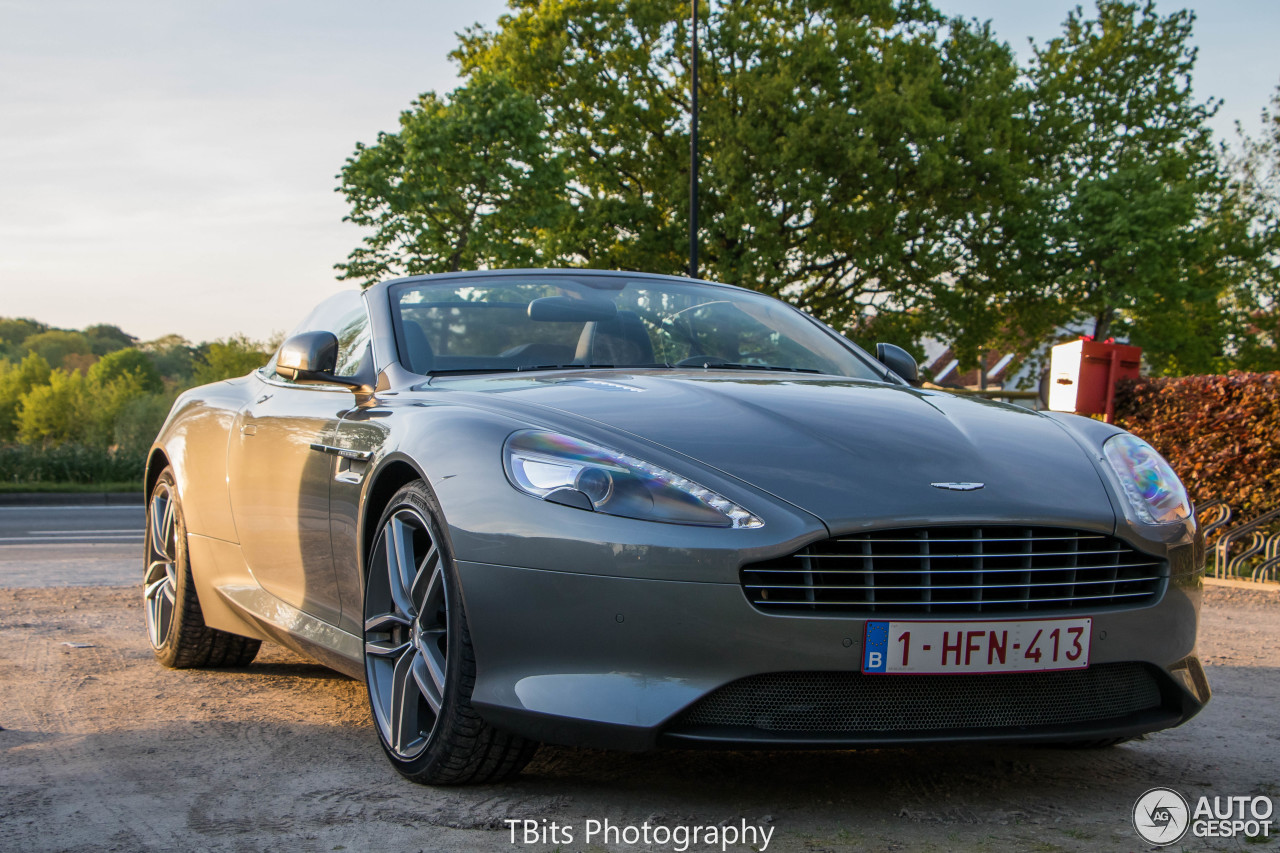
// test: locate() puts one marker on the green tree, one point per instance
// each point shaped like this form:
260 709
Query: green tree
228 358
125 362
173 356
467 182
15 330
1256 173
57 412
1132 213
17 380
852 155
57 345
105 338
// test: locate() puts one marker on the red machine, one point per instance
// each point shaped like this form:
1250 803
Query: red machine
1083 376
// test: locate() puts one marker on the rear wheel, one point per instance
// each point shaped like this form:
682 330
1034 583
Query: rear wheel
175 623
419 665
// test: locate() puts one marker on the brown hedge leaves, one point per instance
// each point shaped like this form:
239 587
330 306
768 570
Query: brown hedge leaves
1220 433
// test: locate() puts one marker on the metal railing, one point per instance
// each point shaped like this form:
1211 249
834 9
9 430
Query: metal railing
1220 513
1260 542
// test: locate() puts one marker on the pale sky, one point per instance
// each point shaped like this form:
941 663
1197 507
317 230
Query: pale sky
168 165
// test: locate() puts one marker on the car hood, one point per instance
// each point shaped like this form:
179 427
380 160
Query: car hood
854 453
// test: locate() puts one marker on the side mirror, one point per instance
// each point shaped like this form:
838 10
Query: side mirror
899 361
308 356
310 359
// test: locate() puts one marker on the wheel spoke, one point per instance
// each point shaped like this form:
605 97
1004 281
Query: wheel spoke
430 684
400 563
159 508
154 569
169 545
404 723
425 578
152 592
385 622
387 649
158 599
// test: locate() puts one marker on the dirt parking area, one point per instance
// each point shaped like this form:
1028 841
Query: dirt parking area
105 750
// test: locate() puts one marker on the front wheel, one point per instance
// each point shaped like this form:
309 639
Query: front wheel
175 623
419 664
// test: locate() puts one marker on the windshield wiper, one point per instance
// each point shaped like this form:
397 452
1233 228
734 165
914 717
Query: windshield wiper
730 365
517 368
523 368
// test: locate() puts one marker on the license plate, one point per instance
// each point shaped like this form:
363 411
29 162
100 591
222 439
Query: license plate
1039 645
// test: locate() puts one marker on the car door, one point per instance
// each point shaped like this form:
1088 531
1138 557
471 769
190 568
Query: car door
280 470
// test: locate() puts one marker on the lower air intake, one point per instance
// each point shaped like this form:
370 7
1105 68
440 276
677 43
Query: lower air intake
840 702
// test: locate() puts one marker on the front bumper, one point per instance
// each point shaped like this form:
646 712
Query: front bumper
616 662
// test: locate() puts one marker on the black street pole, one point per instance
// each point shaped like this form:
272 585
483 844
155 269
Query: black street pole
693 156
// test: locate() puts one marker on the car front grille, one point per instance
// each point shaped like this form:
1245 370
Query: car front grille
957 570
850 702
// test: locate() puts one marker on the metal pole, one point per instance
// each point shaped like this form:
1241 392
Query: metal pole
693 155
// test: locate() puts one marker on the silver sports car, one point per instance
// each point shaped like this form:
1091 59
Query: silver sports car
634 511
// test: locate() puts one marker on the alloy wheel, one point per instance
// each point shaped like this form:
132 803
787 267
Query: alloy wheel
406 633
160 583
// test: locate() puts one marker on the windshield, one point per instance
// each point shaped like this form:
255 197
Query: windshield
540 322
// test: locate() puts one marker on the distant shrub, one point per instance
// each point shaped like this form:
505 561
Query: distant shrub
70 463
1220 433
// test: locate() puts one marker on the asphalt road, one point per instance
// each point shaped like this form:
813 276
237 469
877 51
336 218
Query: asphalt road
71 546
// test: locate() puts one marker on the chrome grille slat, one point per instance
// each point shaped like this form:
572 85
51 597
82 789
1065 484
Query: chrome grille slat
957 570
935 588
994 601
967 556
985 539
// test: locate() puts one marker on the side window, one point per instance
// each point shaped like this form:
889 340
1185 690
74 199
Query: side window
353 333
345 316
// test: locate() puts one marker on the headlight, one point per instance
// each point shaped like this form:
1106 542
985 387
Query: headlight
1154 491
572 472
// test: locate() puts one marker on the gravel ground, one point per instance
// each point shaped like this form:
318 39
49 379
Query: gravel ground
105 750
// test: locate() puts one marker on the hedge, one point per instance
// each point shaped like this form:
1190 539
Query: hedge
69 463
1220 433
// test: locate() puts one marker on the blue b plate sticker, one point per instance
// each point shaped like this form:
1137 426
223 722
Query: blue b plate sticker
875 647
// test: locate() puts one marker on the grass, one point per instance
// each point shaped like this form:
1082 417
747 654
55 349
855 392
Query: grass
7 488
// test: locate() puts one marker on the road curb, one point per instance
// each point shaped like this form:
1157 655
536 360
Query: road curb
18 499
1256 586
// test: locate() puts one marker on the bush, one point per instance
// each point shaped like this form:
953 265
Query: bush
1220 433
70 463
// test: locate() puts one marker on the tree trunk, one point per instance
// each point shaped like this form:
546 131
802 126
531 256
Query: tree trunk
1102 324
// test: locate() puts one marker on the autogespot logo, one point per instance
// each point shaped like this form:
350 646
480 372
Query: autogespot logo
1161 816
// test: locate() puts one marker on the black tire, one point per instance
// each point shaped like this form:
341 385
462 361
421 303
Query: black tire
175 623
419 664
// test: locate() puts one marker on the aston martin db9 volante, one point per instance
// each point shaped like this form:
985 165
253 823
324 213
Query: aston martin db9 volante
633 511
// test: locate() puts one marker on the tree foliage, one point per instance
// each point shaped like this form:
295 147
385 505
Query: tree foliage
1137 224
16 381
853 154
60 347
229 357
127 362
467 182
894 173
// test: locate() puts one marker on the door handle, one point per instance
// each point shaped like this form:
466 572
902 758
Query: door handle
248 429
264 398
356 455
